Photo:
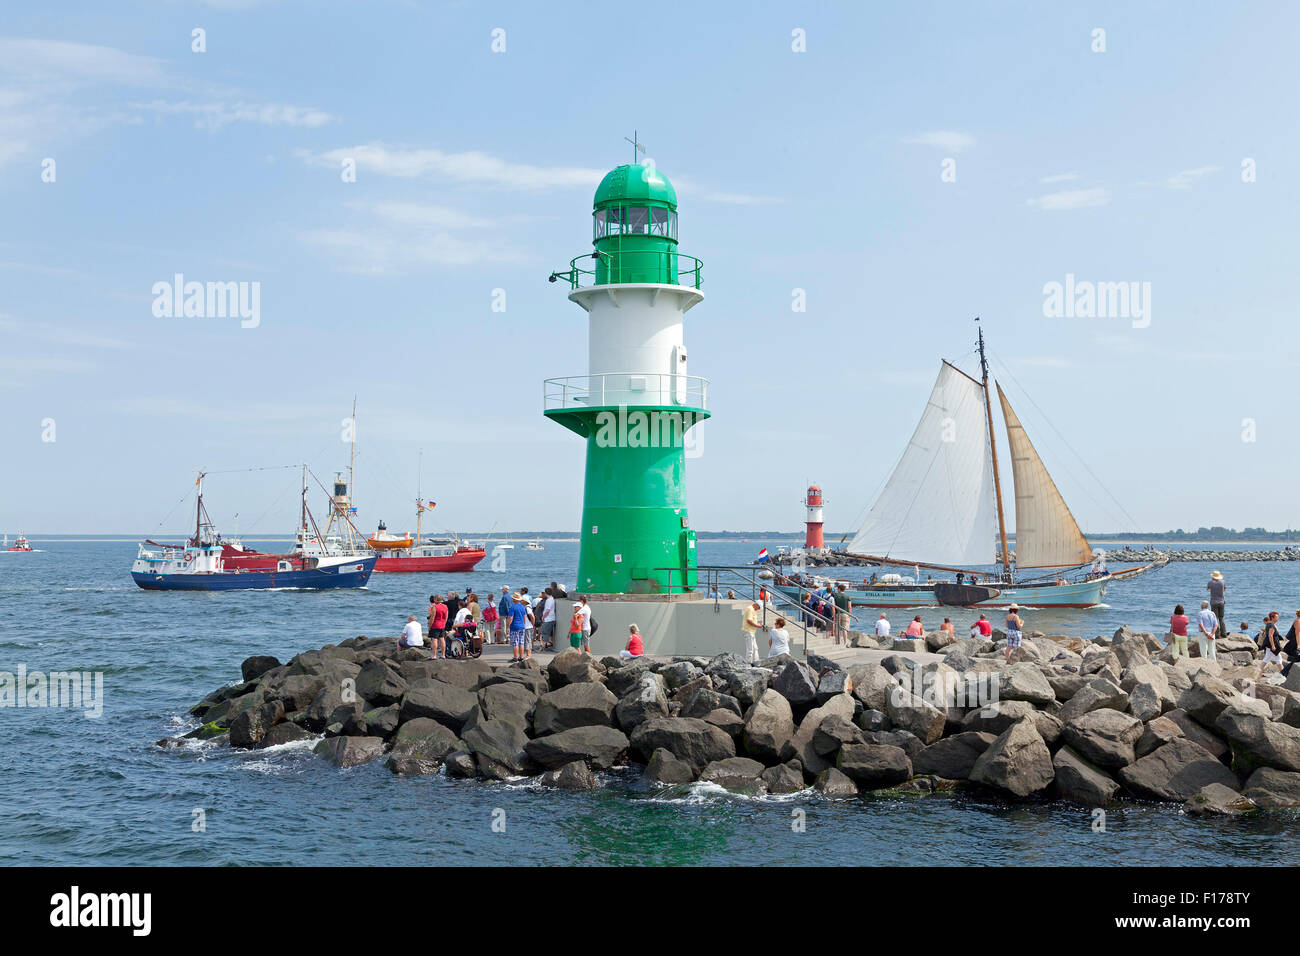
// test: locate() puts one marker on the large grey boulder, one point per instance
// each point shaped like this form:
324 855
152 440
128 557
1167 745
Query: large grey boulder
664 768
736 773
425 739
571 666
784 778
1018 762
1105 737
871 685
1256 740
526 673
1174 772
285 733
833 733
769 726
800 746
795 683
500 741
350 751
835 785
254 667
380 684
445 703
1273 789
1080 781
512 702
600 747
1206 698
1100 692
1025 682
997 718
581 704
953 757
1156 733
680 673
248 729
1218 800
704 700
747 684
621 679
645 699
872 766
575 775
1198 735
912 713
696 741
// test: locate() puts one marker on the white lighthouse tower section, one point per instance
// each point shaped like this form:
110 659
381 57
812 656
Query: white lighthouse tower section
636 350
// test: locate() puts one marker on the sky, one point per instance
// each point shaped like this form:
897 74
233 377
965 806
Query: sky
896 170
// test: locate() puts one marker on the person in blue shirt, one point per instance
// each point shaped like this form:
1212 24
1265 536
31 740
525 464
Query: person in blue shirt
521 621
503 614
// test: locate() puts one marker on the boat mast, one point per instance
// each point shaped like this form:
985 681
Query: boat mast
198 512
419 498
993 449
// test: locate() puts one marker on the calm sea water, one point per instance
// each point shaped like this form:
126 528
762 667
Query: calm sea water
77 790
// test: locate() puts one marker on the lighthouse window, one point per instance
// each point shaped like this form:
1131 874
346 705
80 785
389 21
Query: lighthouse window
672 225
638 220
658 222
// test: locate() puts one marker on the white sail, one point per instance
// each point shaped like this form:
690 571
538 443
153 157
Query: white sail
1047 536
938 506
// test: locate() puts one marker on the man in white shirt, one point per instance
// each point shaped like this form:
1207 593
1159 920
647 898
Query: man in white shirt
548 619
1208 622
882 626
411 636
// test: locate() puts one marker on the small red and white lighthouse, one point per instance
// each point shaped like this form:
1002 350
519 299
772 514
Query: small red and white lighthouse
813 537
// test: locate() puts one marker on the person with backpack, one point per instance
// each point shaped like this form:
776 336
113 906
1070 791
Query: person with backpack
588 624
503 614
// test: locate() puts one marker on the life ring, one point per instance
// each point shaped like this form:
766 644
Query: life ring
189 556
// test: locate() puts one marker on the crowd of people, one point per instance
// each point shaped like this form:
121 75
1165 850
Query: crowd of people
525 622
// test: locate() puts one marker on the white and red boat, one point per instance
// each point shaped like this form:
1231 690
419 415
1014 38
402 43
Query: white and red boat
20 543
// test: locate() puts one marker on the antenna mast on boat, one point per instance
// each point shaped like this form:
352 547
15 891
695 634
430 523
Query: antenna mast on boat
993 450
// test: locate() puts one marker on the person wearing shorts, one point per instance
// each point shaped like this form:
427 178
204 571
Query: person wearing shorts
520 619
575 628
548 619
1014 628
437 626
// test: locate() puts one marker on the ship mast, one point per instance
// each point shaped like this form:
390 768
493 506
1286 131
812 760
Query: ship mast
993 449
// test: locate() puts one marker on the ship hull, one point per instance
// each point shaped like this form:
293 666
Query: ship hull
351 575
1080 594
460 561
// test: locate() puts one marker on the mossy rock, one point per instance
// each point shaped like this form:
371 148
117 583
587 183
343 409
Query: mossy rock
207 731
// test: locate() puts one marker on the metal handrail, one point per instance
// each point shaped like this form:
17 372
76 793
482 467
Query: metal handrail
713 578
562 393
574 274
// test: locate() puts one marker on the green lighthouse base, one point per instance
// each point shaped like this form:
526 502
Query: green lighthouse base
636 536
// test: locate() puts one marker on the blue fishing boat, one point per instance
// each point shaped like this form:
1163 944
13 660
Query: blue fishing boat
198 564
942 505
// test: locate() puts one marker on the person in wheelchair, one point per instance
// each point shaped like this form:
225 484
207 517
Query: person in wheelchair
467 642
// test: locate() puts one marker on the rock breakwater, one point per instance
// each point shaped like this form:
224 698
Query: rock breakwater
1089 722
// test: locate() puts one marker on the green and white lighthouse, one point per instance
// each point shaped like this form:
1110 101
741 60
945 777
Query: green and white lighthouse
636 404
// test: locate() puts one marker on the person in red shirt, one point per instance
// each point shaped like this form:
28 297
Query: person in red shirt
985 626
634 646
1178 631
438 626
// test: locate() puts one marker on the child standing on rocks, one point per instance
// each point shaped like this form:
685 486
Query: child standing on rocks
1178 632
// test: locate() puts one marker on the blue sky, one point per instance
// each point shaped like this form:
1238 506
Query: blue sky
816 170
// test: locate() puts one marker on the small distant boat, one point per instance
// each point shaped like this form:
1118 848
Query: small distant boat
20 543
384 540
198 565
534 545
507 546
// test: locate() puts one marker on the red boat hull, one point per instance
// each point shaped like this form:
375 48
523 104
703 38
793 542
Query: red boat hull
463 560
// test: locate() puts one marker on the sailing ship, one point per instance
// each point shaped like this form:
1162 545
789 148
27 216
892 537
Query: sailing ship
943 502
199 564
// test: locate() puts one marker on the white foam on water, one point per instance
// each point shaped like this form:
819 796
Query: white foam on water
292 745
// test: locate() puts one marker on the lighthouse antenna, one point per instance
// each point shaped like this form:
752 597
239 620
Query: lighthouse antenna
637 147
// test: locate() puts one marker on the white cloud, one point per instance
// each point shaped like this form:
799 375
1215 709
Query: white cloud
1071 199
472 167
1059 178
1188 177
945 139
422 214
44 60
217 115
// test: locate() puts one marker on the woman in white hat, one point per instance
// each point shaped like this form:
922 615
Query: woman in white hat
1014 627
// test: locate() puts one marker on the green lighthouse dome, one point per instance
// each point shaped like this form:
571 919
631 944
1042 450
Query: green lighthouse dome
637 182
